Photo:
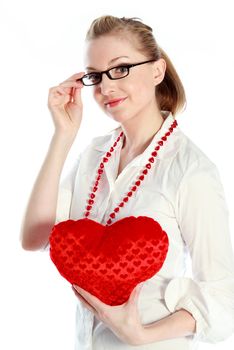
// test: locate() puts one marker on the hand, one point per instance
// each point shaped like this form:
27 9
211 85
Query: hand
123 320
65 105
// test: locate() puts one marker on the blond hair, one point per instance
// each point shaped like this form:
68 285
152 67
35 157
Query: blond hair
170 92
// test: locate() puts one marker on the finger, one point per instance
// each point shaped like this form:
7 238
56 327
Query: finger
77 96
71 84
73 91
135 294
75 77
61 89
86 304
91 299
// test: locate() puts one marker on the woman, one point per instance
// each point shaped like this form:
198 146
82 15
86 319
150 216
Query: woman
135 84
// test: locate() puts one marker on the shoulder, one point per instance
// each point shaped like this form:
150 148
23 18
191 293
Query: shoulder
190 155
187 164
196 169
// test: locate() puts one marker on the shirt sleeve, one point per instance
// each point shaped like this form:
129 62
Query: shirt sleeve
65 192
202 217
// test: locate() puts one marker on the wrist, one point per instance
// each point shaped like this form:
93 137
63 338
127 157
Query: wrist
149 334
59 148
63 139
145 336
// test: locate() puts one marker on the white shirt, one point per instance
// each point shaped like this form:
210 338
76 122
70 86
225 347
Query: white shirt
183 192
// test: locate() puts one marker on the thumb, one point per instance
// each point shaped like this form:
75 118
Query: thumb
77 91
77 96
135 293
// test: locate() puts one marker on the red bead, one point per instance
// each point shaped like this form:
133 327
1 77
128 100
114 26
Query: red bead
137 183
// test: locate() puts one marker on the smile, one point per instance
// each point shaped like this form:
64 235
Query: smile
115 102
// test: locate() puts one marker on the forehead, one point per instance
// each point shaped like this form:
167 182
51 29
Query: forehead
99 52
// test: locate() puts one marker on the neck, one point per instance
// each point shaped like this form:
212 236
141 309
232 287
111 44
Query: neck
140 131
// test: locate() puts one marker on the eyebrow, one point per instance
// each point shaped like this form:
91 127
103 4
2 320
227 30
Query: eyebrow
111 61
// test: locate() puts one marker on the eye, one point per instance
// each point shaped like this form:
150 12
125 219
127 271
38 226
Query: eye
120 71
91 78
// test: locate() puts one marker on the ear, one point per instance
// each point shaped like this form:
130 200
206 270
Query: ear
159 70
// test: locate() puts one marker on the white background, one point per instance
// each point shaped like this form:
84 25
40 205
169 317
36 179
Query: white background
41 45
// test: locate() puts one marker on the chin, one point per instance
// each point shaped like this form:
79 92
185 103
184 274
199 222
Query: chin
120 118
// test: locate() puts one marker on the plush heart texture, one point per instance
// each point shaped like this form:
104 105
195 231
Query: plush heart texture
108 261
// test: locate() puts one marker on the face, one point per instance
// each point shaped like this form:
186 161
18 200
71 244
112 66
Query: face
131 96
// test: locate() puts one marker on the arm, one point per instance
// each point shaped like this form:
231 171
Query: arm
65 105
202 306
202 216
179 324
41 209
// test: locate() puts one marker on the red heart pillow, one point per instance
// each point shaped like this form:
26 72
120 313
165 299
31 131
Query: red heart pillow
108 261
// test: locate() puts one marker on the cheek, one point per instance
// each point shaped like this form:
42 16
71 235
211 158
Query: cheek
141 91
142 85
96 95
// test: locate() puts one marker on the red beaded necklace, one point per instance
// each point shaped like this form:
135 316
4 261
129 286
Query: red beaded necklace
110 260
137 182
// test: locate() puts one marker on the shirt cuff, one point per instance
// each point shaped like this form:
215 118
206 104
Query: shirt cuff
214 318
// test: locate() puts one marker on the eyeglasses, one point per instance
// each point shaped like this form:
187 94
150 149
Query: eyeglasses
118 72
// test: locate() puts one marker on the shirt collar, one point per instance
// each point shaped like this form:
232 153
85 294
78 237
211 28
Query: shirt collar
104 143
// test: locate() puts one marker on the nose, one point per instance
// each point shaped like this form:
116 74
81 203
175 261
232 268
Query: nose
107 85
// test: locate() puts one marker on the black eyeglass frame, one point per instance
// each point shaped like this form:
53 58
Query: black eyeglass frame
107 72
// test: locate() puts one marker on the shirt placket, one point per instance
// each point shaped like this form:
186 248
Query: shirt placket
117 188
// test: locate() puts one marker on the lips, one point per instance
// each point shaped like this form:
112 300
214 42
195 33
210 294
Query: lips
115 102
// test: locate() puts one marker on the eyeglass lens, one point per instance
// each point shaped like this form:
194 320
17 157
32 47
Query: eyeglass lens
114 73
